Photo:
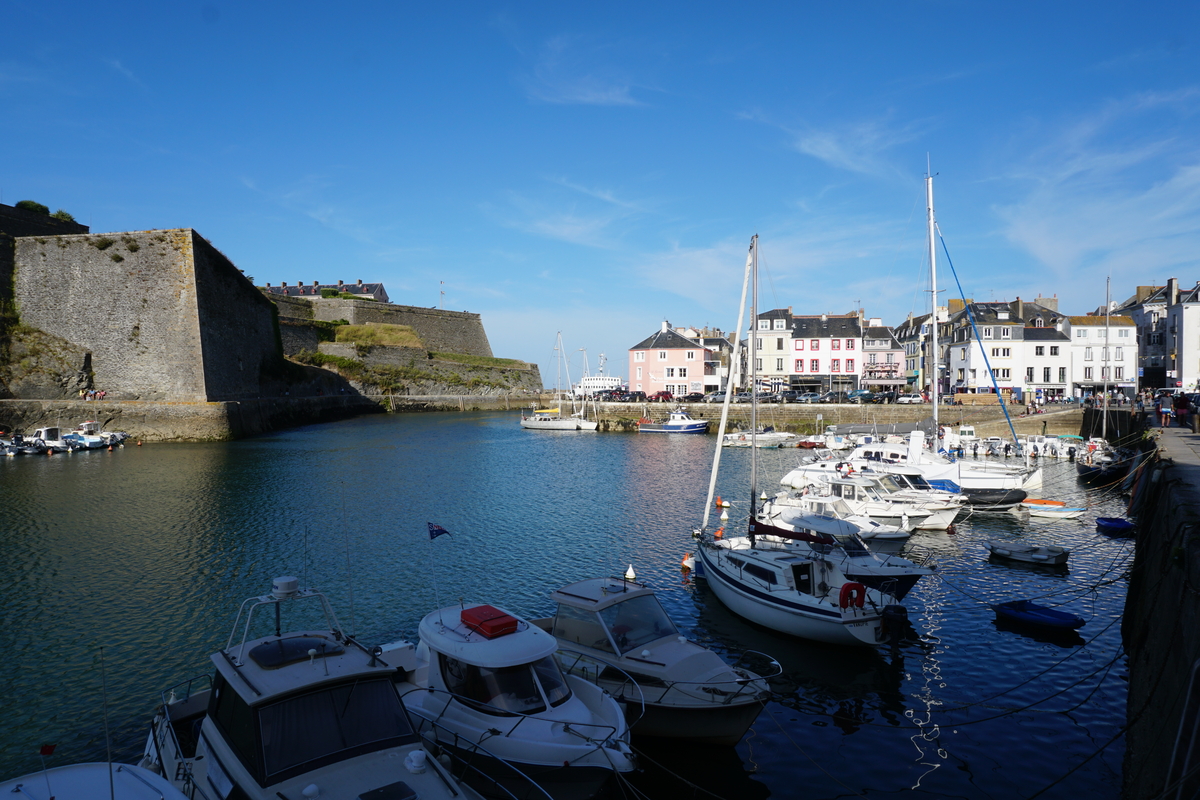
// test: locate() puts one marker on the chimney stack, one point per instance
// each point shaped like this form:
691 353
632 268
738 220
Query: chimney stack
1172 291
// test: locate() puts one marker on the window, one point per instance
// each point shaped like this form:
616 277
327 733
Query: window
764 324
1006 333
639 356
1045 374
1123 333
1102 333
779 365
1053 349
1156 338
995 352
1118 373
779 343
1104 373
683 373
780 324
835 344
1039 351
691 355
1062 374
758 343
1087 354
1087 373
814 345
987 333
670 372
961 375
799 344
962 354
849 344
891 358
1003 374
1029 374
835 365
849 365
758 364
639 373
662 355
799 365
814 365
1104 354
1120 352
1081 333
1038 323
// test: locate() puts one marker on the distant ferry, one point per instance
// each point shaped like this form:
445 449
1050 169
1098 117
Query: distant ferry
590 384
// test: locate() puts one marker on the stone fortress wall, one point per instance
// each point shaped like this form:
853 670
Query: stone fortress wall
441 331
164 314
20 222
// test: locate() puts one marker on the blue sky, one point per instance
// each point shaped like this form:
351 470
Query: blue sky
597 168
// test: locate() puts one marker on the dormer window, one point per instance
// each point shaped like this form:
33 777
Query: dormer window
764 324
780 324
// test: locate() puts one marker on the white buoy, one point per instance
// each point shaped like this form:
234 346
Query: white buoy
724 516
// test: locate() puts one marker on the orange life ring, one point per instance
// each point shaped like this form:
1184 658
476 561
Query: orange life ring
852 594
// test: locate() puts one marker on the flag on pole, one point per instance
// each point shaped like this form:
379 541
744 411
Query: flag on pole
436 530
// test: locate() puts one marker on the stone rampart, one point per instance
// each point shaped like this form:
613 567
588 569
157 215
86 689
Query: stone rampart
21 222
297 336
433 376
164 315
441 331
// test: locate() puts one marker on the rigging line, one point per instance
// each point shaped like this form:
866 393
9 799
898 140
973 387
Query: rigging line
971 316
694 787
812 760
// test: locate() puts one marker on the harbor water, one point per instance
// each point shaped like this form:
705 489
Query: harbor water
125 569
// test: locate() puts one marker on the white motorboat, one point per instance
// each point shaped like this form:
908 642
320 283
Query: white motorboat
1034 554
296 715
797 504
487 677
93 781
803 593
968 475
678 421
886 499
763 438
53 439
614 632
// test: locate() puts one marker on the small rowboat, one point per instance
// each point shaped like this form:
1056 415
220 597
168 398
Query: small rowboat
1030 613
1052 509
1049 554
1114 526
1037 501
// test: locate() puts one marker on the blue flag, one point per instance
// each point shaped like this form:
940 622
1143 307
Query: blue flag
436 531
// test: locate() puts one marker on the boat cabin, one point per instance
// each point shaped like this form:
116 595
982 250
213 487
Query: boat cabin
494 660
610 614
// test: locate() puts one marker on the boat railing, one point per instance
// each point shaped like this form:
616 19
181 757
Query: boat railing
576 663
604 732
920 556
440 740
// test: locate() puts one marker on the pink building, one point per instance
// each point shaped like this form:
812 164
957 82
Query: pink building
667 361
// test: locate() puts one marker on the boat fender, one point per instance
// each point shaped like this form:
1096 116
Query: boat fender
852 594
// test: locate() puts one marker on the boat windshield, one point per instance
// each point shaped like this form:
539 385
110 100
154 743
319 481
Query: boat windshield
330 725
581 627
853 544
890 483
507 690
637 621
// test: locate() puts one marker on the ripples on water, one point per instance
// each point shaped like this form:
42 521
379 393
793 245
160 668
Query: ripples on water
127 567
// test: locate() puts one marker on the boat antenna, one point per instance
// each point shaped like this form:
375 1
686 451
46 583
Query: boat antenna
112 791
733 361
349 574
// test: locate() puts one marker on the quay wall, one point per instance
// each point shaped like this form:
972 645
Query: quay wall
1161 621
185 422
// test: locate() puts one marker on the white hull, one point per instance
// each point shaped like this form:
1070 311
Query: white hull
548 424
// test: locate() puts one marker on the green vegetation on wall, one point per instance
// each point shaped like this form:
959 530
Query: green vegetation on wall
375 334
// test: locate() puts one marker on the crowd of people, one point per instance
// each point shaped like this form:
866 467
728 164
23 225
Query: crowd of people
92 394
1168 407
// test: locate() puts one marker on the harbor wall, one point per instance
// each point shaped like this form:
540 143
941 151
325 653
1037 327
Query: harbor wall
1161 621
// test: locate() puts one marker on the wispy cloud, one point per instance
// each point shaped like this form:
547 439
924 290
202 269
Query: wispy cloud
1116 191
565 71
860 146
125 72
588 216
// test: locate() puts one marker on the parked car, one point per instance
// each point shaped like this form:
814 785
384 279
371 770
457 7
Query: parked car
809 397
834 397
714 397
634 397
910 398
787 396
861 396
884 397
610 395
661 397
691 397
741 397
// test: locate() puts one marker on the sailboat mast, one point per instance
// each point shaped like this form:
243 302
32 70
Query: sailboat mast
752 341
1104 369
933 345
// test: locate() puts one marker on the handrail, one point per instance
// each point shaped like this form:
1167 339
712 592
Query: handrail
475 748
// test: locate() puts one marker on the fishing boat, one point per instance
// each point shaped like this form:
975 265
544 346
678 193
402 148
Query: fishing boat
678 421
488 678
1034 554
1026 612
295 715
768 581
615 633
92 781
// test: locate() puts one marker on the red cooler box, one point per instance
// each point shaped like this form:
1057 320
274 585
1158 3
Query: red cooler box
489 621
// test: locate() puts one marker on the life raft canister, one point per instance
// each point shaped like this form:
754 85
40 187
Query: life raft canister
852 594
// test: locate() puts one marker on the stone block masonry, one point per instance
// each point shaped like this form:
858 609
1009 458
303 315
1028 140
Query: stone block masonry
441 331
164 314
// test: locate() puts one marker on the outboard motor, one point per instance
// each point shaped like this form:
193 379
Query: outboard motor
893 623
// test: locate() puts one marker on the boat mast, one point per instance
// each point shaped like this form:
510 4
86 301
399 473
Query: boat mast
752 342
933 345
1107 306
